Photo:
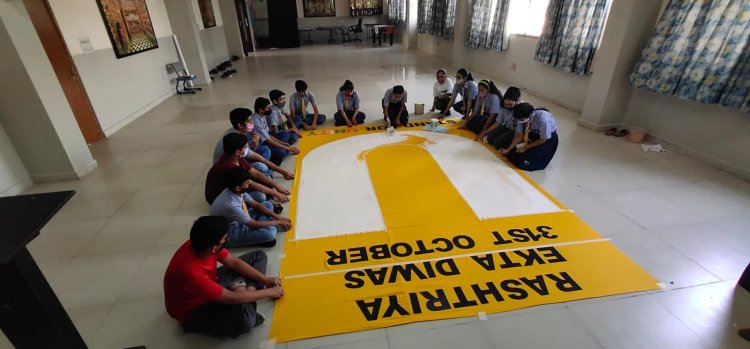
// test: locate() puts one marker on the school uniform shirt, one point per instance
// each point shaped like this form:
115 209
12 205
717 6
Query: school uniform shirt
231 206
276 118
347 103
469 90
261 127
489 104
439 89
295 101
505 118
191 281
541 122
389 98
219 148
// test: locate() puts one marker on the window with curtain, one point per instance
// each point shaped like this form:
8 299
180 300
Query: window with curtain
571 33
700 51
436 17
486 29
397 12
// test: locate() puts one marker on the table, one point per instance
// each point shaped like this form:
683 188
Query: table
31 316
335 34
379 31
307 31
337 30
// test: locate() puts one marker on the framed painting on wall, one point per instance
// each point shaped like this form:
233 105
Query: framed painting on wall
129 26
319 8
207 13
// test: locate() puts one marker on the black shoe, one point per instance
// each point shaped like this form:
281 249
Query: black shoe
271 243
259 319
213 71
235 58
278 209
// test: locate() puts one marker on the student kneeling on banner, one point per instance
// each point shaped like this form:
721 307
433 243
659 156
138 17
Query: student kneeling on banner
535 141
255 226
217 302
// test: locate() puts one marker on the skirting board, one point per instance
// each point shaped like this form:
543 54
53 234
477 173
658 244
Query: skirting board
65 176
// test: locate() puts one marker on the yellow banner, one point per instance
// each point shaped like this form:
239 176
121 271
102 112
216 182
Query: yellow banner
436 258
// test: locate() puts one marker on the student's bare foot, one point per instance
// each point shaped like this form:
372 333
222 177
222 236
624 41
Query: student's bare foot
288 175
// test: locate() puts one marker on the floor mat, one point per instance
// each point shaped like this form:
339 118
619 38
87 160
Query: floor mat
419 225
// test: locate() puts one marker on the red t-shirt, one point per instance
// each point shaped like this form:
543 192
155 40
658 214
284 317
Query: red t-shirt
215 178
191 281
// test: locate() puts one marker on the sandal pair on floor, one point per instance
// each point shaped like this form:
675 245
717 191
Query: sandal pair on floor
617 133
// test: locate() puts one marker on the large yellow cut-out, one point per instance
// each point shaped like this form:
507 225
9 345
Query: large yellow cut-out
436 259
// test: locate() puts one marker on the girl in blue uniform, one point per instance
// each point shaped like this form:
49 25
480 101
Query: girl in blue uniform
486 108
468 89
500 132
535 141
347 103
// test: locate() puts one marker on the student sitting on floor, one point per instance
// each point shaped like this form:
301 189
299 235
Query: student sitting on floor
235 150
242 123
486 108
535 141
279 147
218 302
251 223
347 102
441 91
298 103
467 89
394 106
500 132
276 124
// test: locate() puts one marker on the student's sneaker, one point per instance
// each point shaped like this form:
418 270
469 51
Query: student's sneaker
259 319
278 209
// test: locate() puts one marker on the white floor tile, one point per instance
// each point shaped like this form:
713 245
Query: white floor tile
637 322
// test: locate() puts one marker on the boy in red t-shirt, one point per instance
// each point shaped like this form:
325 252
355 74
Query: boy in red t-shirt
218 302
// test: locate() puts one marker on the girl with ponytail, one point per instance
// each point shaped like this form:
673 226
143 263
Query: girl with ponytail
468 89
347 103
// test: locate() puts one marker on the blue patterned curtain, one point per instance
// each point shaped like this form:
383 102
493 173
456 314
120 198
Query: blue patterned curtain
700 51
436 17
397 12
571 33
482 34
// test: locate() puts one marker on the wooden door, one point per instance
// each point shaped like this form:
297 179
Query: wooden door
246 30
282 23
58 54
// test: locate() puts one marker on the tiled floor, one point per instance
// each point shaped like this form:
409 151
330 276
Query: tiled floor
683 221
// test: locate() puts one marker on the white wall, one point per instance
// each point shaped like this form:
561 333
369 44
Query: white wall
13 176
33 109
217 14
716 135
343 18
117 99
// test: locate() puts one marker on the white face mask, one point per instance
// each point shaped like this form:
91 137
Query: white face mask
245 151
523 121
459 80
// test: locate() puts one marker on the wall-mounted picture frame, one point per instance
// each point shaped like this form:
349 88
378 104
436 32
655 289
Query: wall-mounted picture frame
319 8
129 26
207 13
